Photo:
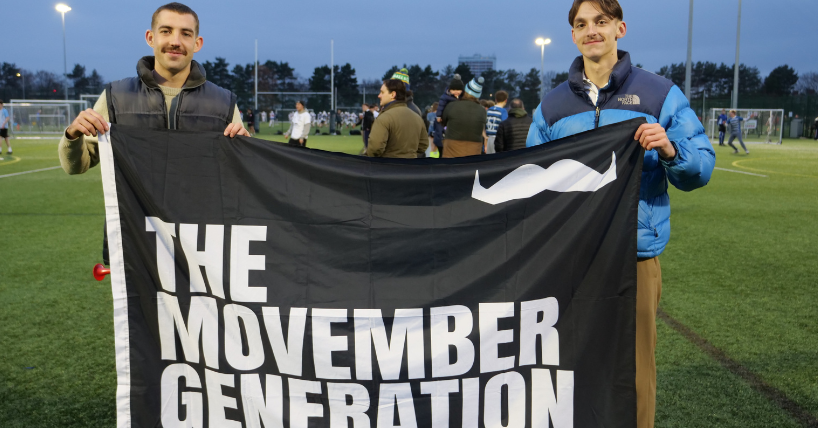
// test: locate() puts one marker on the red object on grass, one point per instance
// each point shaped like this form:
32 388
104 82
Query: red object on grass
100 271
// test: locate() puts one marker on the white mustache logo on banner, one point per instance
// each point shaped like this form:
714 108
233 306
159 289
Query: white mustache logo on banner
565 175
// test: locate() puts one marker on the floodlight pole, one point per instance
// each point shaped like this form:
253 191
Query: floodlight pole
689 68
736 66
541 43
64 56
255 90
332 75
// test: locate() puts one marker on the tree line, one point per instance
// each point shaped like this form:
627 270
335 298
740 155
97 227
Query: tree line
427 84
45 85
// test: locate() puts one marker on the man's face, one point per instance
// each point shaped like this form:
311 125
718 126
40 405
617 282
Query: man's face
174 40
385 96
299 107
594 33
732 114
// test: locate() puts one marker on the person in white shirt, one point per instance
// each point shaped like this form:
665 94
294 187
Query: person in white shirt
300 127
272 117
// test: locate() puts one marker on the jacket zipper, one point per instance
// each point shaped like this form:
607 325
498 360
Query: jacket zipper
596 120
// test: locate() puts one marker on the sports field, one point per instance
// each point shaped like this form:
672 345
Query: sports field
738 335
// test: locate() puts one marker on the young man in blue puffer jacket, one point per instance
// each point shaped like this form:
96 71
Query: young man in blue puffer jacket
603 88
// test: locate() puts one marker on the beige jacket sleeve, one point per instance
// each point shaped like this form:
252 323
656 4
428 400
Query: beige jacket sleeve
79 155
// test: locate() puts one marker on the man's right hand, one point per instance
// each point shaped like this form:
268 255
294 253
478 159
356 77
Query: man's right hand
88 122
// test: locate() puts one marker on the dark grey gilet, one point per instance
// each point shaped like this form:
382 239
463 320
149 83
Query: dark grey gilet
200 106
138 101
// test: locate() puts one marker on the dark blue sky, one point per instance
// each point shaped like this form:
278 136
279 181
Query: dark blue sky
374 35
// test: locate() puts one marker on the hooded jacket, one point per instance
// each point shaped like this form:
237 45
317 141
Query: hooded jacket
632 92
512 132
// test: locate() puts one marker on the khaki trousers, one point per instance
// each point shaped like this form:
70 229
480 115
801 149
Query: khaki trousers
648 292
459 148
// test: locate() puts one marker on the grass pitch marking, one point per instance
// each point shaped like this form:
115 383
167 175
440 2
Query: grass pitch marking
737 165
740 172
14 159
29 172
772 394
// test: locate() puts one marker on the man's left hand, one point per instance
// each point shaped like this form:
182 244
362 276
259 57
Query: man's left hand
652 136
235 129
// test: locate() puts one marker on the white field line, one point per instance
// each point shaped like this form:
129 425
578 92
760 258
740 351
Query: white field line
740 172
29 172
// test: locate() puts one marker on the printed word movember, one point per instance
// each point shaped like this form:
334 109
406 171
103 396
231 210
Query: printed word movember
426 354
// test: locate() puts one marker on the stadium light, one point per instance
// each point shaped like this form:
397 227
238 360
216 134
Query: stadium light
541 42
689 66
62 8
22 76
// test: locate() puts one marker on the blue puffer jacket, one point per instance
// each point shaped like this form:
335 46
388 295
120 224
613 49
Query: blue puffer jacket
632 92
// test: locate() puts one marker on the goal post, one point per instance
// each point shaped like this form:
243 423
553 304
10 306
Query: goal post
39 118
759 125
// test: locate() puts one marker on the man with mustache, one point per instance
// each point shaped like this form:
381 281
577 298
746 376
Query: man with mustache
169 92
603 88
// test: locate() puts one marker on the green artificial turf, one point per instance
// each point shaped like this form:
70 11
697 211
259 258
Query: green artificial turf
740 271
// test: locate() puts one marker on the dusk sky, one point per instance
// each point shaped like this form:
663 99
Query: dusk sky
372 36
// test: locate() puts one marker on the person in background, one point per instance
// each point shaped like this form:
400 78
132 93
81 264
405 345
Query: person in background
272 117
815 128
735 131
403 76
398 132
495 114
367 119
465 122
722 122
4 128
437 146
250 117
299 126
604 88
513 132
453 93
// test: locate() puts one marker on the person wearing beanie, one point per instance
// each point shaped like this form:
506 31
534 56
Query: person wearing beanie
475 87
465 122
403 76
456 88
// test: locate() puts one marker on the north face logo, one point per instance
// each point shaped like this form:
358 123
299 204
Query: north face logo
629 100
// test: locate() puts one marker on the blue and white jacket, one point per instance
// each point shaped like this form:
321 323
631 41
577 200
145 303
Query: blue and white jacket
632 92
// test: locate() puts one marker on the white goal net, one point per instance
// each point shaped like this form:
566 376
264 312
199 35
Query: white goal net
759 125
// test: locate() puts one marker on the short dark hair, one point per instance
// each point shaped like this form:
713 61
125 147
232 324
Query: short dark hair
1 101
609 8
396 86
178 8
364 104
303 104
517 103
500 96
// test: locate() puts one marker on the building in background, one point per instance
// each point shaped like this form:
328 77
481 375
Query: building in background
477 63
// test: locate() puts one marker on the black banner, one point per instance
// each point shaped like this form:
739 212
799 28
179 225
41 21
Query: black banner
257 284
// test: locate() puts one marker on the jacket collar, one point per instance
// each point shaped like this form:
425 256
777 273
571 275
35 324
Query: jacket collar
391 105
620 73
145 66
517 112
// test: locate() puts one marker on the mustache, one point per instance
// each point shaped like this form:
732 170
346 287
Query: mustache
565 175
178 50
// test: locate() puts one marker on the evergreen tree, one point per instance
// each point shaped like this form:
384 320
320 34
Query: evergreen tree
781 81
530 90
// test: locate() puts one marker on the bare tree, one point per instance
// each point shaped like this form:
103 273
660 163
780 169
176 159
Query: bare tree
807 83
